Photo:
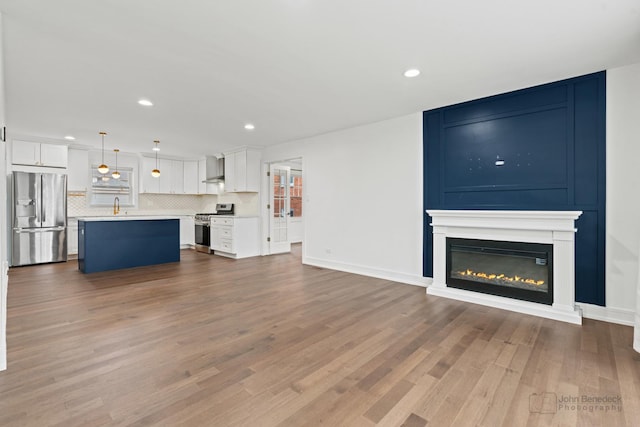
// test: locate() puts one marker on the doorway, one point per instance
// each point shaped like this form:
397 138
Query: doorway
285 211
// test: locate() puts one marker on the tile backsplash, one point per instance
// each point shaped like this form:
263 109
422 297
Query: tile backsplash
246 204
148 204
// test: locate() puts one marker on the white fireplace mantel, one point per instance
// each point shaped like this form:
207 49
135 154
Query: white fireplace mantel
546 227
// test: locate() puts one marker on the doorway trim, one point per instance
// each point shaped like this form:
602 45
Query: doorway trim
265 200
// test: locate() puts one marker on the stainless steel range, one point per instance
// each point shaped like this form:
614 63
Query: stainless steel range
203 226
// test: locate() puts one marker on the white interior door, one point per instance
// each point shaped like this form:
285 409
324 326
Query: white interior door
279 207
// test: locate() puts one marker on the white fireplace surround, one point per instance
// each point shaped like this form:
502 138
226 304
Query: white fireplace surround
546 227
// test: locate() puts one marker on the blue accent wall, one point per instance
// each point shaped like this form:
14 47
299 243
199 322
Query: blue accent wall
551 140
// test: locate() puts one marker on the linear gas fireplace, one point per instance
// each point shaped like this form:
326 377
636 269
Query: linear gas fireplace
517 270
522 261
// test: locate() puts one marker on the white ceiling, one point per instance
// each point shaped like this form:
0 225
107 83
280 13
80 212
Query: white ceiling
294 68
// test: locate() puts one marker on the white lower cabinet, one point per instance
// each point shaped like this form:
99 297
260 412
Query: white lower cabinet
187 231
235 237
72 236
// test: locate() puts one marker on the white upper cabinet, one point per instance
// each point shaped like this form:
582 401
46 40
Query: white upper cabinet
230 184
190 177
242 171
78 170
39 154
176 176
26 153
55 156
202 175
148 184
166 176
171 176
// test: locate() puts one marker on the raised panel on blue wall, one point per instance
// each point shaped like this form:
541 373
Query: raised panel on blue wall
549 142
589 151
587 271
532 146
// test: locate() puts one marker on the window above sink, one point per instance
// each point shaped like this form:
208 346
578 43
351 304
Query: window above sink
104 188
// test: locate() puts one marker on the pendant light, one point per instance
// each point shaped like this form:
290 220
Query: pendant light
103 168
156 172
116 174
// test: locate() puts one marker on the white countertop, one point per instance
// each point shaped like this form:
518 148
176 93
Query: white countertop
127 218
234 216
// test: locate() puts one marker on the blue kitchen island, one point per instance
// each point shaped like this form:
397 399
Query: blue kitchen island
114 243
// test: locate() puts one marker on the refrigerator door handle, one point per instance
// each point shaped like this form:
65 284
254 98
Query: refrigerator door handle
38 230
44 229
27 230
38 200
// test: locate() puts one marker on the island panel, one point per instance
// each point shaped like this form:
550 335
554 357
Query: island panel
113 245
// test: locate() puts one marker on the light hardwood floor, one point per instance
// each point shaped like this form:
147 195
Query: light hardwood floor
267 341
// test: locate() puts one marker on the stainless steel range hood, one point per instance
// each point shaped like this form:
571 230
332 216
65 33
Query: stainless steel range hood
215 170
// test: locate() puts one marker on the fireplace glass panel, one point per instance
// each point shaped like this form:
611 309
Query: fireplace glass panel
512 269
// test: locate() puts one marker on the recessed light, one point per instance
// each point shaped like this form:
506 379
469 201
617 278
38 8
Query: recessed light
145 102
412 72
249 126
70 138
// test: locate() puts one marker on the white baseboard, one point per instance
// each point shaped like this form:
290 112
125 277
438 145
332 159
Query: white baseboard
4 283
378 273
3 356
636 335
621 316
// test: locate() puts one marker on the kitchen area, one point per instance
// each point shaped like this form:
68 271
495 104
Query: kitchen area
214 199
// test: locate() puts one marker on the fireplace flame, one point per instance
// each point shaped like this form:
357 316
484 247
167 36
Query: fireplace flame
490 276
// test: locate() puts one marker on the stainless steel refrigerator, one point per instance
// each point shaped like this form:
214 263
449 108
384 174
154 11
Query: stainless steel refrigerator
39 218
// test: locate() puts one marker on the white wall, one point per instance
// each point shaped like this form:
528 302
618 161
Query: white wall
296 229
363 198
4 265
636 331
623 182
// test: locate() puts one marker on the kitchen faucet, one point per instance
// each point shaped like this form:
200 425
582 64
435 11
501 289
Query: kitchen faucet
116 205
